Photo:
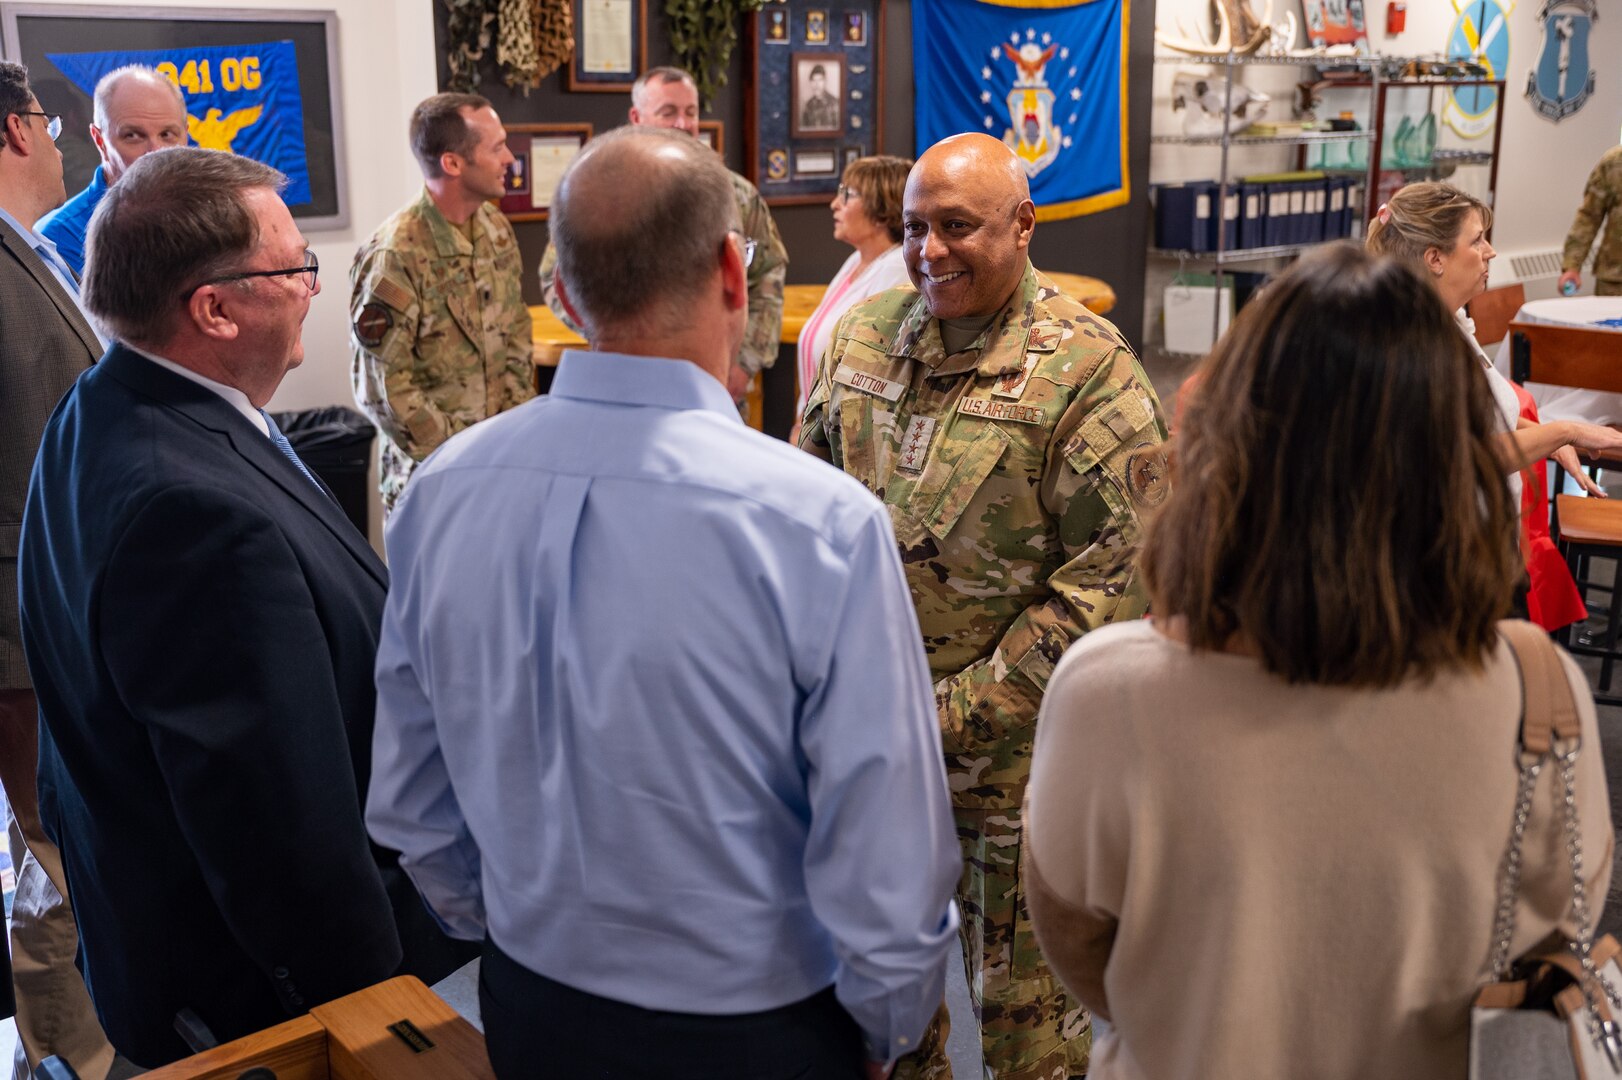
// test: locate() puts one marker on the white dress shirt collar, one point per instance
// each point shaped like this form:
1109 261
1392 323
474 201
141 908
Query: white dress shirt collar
234 397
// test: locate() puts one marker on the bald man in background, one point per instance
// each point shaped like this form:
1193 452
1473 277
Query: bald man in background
136 111
1015 440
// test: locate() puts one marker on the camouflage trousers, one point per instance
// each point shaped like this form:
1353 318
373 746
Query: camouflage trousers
1030 1029
1607 288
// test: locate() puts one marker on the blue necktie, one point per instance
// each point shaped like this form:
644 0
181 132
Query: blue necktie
53 260
286 448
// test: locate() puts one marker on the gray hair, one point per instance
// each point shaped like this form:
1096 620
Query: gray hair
663 76
638 227
109 82
176 219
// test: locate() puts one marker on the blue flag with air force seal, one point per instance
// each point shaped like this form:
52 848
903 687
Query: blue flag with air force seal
1048 80
240 98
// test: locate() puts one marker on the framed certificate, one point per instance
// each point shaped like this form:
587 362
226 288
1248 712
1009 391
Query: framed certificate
610 44
540 154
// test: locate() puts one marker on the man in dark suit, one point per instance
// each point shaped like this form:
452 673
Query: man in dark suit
201 621
45 343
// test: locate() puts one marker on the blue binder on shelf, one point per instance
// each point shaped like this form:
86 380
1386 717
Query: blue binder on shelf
1276 230
1317 206
1183 216
1296 230
1335 212
1230 218
1252 215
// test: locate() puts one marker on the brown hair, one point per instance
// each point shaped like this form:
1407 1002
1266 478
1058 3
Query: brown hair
438 128
880 181
1423 216
175 219
1338 501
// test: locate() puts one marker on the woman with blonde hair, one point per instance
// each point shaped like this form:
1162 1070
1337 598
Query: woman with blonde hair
1442 232
1263 829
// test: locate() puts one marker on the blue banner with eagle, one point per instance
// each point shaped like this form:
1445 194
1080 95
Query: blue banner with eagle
241 98
1047 77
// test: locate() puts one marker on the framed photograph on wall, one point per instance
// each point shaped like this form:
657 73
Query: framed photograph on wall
1336 23
816 103
540 154
610 45
813 95
713 133
260 83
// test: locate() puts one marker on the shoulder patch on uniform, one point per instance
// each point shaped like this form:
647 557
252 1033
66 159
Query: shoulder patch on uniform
392 293
371 324
1044 337
1147 472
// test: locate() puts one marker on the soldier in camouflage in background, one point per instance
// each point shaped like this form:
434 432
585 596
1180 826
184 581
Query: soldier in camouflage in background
439 331
667 97
1602 202
1017 442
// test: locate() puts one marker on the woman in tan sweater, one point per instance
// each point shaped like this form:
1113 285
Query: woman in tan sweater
1263 830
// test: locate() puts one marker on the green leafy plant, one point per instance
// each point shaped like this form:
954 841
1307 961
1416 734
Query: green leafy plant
703 34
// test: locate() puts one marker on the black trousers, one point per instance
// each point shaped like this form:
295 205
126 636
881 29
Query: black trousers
538 1028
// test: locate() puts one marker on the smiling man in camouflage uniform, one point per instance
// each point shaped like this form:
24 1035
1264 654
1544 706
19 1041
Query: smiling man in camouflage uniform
667 97
439 332
1017 443
1602 204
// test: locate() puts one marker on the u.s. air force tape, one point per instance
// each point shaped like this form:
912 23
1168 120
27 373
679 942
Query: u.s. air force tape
1000 410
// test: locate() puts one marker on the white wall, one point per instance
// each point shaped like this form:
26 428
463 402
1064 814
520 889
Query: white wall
1542 166
386 65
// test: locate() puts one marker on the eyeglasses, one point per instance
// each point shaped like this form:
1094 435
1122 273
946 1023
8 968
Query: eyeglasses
310 270
53 124
749 246
846 193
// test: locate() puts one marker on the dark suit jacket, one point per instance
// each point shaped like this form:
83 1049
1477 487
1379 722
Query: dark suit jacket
201 623
45 343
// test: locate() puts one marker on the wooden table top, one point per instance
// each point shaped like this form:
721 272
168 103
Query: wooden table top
799 301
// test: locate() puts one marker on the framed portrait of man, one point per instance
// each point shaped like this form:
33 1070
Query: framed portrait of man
817 104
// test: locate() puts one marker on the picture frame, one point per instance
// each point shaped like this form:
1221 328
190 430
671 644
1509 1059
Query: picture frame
540 154
1331 23
713 132
794 151
817 95
284 63
611 45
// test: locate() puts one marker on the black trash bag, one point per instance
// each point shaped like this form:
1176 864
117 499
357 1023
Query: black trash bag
335 443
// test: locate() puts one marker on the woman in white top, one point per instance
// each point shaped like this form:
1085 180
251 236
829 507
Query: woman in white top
867 216
1442 231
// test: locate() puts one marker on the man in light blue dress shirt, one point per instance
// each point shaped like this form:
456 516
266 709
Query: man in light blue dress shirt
653 719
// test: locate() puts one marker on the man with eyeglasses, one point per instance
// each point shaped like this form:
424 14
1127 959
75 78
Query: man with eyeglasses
137 111
692 804
667 97
46 341
201 620
439 332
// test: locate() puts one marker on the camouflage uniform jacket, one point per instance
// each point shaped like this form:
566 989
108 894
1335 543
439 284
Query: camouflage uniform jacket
439 332
1602 202
766 274
1015 472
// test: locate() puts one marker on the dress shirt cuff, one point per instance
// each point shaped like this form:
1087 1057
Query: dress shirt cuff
893 1016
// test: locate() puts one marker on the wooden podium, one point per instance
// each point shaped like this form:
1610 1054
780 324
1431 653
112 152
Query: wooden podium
396 1030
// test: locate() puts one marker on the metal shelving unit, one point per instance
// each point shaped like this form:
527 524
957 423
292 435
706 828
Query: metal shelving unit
1367 73
1229 63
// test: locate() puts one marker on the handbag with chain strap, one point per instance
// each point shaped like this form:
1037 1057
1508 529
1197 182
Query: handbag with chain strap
1553 1014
